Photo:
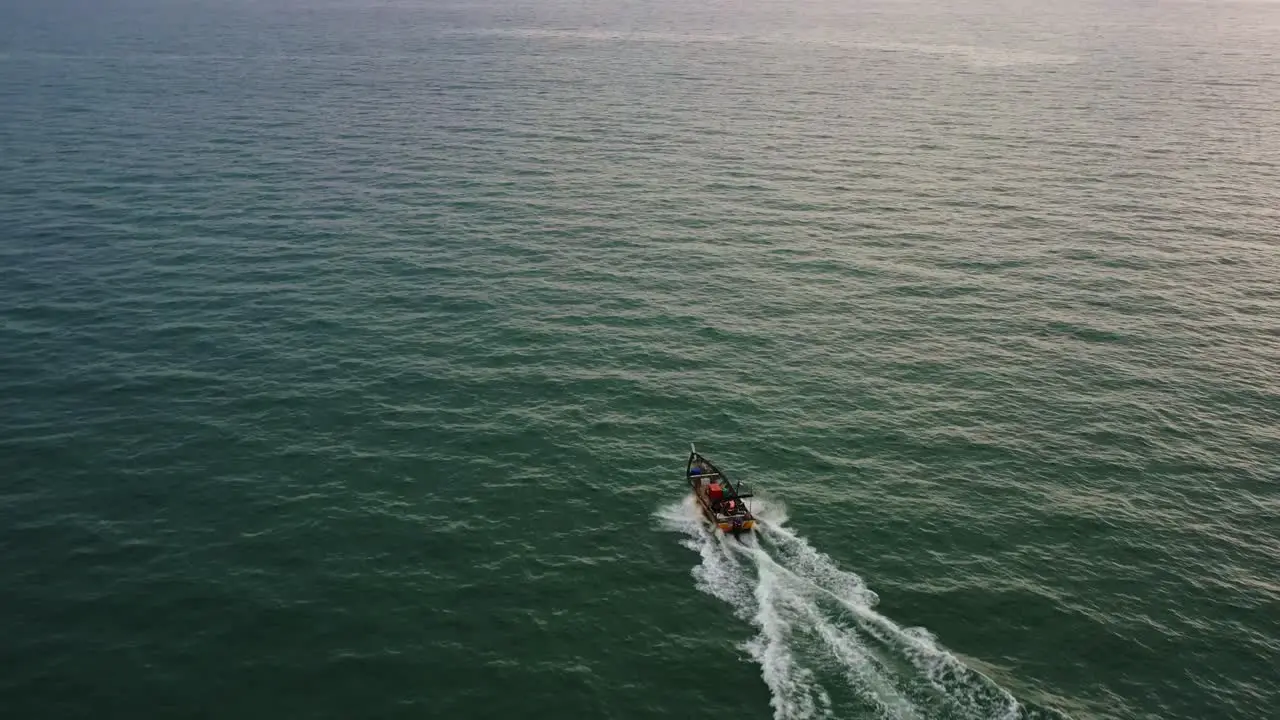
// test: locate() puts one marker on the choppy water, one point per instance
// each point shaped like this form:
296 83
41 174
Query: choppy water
350 350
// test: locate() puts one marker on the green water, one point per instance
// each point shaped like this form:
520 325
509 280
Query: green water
350 352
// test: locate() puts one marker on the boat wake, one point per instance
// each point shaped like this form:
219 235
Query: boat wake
822 648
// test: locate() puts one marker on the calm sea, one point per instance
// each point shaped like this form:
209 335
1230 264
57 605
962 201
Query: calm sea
351 350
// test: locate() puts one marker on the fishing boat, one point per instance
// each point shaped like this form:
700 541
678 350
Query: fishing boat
723 502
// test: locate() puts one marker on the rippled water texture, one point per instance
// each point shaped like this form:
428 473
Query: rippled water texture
350 350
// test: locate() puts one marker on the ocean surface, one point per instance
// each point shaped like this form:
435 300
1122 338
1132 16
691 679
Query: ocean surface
351 351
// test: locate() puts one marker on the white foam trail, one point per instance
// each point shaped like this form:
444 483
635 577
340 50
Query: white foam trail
864 674
967 692
719 575
811 615
795 691
798 556
796 695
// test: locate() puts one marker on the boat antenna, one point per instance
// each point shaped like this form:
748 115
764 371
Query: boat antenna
693 449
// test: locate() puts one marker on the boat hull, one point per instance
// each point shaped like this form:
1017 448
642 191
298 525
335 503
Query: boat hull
727 509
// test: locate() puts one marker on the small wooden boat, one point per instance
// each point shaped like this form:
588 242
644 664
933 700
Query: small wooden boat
722 501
